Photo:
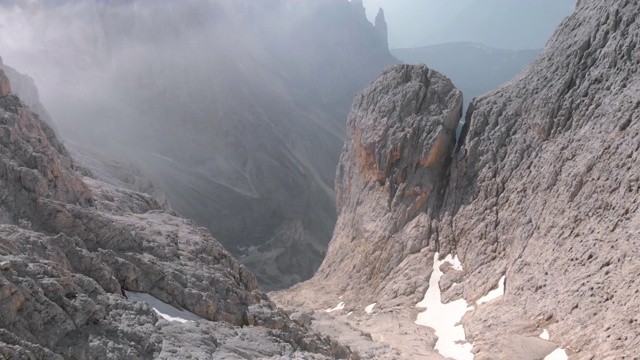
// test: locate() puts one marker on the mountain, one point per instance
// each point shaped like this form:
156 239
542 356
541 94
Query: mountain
474 68
235 109
92 271
25 86
401 133
525 237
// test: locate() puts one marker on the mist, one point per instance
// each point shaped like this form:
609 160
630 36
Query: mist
503 24
235 109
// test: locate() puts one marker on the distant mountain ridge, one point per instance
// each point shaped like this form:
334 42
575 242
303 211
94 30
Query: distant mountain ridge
474 68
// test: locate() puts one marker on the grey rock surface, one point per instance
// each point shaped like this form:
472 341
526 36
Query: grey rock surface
5 85
543 190
70 245
25 87
390 180
122 175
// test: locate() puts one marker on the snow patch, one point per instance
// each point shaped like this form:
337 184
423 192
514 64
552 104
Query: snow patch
544 335
493 294
340 306
445 318
369 308
166 311
455 262
557 354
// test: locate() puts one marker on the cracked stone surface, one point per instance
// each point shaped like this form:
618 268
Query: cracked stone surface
542 189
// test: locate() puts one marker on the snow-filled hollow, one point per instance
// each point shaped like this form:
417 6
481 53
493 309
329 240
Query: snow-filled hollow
544 335
445 318
557 354
340 306
369 308
166 311
493 294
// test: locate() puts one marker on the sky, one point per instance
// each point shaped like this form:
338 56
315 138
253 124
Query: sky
505 24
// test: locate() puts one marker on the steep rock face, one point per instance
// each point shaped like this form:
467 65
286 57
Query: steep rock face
235 108
61 296
5 85
380 25
94 163
33 165
401 133
545 190
24 86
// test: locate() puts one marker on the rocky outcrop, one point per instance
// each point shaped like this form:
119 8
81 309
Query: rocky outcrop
401 133
5 85
380 24
543 190
123 175
70 246
541 196
24 87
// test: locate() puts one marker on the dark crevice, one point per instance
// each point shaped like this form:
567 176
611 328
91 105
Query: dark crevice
462 135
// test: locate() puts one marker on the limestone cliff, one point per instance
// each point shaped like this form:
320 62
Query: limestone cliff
380 25
390 182
24 86
542 191
70 246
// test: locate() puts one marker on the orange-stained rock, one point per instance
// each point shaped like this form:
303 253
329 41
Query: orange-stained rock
401 133
5 85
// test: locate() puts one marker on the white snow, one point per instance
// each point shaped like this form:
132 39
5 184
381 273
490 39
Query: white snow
557 354
544 335
445 318
163 309
369 308
455 262
493 294
340 306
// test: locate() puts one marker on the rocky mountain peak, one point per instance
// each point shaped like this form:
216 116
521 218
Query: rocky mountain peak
380 25
359 6
401 132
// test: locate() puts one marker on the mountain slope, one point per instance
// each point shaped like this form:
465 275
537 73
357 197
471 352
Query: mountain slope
74 249
540 208
543 187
